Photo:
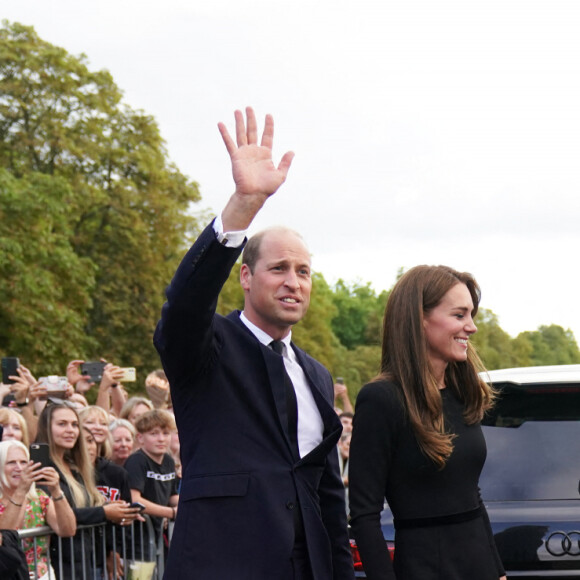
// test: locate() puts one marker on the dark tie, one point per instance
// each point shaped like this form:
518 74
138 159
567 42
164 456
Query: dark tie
291 402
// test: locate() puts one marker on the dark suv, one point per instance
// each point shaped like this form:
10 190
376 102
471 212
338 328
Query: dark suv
530 482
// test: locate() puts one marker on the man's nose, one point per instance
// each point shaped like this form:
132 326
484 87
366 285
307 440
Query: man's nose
291 280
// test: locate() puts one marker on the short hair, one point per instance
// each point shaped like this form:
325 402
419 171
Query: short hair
158 418
251 253
118 423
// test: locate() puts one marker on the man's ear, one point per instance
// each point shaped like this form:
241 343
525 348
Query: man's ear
139 438
245 276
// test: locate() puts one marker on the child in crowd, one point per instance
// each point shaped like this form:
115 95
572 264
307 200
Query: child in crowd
151 469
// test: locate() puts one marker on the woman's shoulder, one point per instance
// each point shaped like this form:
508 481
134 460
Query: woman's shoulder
380 390
380 397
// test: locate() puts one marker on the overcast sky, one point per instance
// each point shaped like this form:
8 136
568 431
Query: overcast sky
425 132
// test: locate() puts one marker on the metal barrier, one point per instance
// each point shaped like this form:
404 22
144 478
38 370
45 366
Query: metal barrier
141 555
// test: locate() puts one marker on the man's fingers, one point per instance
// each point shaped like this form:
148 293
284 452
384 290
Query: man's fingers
268 135
252 132
241 136
228 141
285 163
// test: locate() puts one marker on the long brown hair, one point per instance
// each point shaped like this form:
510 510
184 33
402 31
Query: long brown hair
76 458
405 359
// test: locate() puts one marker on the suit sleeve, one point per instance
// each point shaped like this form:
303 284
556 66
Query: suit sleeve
184 333
370 451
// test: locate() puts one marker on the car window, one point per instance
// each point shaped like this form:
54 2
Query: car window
537 460
518 404
533 443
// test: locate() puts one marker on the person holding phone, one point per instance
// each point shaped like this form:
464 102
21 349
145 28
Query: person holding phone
59 426
24 506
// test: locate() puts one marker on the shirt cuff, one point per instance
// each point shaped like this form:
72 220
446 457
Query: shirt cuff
228 239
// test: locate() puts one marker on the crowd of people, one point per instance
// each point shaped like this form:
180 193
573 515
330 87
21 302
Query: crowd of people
106 463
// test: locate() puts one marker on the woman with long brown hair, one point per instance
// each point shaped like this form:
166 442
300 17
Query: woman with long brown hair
59 426
417 440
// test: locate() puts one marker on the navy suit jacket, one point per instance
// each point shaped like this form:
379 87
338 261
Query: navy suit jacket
241 481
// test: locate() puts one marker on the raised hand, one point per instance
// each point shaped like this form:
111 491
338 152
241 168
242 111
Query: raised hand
255 175
73 372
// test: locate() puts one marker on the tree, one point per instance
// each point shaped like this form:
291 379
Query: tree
494 346
128 208
359 314
314 332
44 284
552 345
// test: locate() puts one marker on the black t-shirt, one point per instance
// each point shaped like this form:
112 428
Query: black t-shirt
112 480
156 481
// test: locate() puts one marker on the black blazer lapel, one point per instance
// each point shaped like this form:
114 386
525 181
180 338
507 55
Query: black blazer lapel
275 368
332 424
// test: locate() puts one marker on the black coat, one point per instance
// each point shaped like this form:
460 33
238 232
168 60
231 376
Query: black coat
240 480
12 560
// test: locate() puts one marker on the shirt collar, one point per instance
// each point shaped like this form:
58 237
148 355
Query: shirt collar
264 337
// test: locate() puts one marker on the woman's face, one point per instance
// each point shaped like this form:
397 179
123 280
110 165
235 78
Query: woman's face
98 426
448 327
12 430
122 444
64 428
137 411
16 461
91 445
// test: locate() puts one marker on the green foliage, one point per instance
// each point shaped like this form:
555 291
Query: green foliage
314 333
45 286
551 345
494 346
112 224
359 314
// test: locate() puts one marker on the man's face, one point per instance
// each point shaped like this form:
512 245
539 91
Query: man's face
277 294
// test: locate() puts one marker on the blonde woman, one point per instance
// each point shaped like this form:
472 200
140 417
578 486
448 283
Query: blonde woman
123 436
134 408
24 506
98 420
14 426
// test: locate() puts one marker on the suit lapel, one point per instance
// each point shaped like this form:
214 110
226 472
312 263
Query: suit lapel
329 417
275 369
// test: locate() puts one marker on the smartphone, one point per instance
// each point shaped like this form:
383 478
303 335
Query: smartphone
10 365
340 380
129 375
94 370
136 504
39 454
55 386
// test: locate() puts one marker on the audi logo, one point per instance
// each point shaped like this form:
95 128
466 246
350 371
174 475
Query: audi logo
562 544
